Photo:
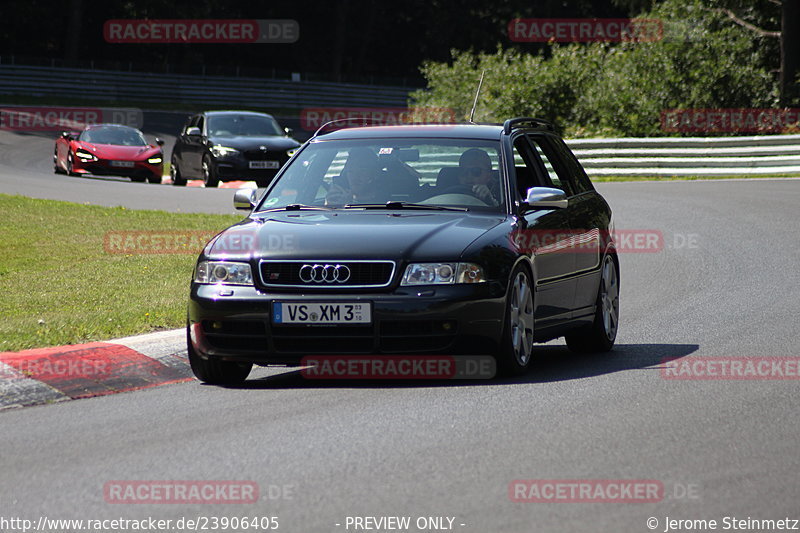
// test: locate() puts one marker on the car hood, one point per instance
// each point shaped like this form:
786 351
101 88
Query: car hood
273 143
421 236
114 151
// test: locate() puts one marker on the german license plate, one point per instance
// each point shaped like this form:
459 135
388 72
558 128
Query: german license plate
122 164
321 313
265 164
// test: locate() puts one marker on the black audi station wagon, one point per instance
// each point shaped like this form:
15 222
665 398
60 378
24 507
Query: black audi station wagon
457 239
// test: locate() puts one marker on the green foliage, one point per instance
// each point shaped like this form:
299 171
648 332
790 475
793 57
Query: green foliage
606 89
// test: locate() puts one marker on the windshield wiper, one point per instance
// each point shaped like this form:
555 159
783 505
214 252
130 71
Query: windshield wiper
406 205
296 207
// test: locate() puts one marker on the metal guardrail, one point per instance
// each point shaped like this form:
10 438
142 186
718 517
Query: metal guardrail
689 156
114 86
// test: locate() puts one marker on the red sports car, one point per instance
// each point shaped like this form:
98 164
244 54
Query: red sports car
109 150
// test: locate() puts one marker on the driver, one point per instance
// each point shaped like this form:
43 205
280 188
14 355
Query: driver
358 181
475 172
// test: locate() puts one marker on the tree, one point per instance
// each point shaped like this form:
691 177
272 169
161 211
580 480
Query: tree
754 16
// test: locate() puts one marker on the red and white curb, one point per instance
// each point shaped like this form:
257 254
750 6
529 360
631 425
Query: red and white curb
60 373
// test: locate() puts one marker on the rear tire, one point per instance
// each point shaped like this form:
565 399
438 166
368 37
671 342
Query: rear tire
601 335
518 328
216 372
175 173
210 177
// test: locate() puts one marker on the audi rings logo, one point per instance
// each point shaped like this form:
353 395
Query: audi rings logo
319 273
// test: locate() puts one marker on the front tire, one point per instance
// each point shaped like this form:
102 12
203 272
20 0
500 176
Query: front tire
601 335
175 173
210 177
216 372
57 169
154 179
70 170
515 355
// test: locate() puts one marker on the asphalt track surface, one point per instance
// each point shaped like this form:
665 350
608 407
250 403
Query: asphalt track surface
725 285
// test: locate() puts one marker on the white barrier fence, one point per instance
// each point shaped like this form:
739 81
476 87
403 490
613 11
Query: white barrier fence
689 156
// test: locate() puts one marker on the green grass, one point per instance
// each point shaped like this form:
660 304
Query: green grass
61 286
686 178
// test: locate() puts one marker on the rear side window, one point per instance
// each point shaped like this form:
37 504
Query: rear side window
568 164
556 174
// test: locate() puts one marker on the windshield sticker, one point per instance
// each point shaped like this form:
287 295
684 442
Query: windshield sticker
385 151
272 201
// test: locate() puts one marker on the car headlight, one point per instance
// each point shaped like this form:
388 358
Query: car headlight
155 160
291 152
221 151
442 274
224 272
85 156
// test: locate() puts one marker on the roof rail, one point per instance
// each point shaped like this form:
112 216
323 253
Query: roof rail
364 121
509 124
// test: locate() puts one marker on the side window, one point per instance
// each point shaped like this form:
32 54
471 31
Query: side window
572 166
557 176
525 166
189 123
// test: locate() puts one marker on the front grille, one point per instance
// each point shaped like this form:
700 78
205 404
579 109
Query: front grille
323 340
361 274
263 155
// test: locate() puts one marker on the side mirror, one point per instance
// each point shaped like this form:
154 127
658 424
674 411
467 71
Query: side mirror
245 199
159 141
546 198
194 131
289 131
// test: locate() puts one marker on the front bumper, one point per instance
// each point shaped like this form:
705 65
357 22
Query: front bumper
141 169
441 320
237 167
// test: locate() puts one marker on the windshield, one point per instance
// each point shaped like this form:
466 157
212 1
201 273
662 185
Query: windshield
245 125
435 172
118 135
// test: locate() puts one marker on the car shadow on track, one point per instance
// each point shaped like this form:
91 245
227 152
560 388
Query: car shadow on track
552 364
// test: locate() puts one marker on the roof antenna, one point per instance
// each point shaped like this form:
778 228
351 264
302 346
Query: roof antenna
477 93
